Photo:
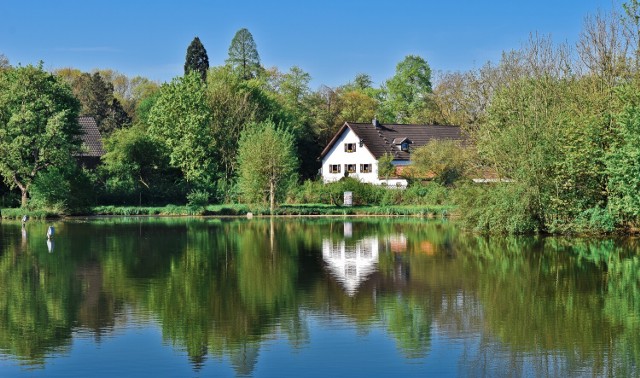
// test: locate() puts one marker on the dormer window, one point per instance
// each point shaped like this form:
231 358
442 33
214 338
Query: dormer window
349 147
402 144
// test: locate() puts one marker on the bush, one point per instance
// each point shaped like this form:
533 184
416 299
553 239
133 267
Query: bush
62 190
595 220
367 194
197 199
498 209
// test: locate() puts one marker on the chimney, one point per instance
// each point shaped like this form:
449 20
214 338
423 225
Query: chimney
375 123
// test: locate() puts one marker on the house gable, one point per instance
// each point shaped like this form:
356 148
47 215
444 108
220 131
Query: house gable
377 140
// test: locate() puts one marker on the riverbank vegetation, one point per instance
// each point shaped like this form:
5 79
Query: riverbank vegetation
552 130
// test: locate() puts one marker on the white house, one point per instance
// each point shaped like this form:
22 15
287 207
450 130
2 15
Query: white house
356 148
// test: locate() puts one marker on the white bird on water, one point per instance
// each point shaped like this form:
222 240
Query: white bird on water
50 232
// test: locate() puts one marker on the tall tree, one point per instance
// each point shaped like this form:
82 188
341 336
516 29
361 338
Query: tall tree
243 55
197 59
409 89
266 160
181 119
38 125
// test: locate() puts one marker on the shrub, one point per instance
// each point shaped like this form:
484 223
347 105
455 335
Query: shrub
197 199
596 219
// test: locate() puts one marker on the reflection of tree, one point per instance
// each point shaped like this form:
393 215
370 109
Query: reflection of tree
37 302
221 287
542 298
409 321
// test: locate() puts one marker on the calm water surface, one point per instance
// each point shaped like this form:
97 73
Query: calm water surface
316 298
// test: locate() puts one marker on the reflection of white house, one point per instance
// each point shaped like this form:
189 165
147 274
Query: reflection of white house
356 148
351 264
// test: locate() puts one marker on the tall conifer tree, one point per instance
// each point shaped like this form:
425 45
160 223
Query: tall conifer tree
243 55
197 59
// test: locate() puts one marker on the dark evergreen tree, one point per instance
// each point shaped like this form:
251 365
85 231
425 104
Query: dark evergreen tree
243 55
197 59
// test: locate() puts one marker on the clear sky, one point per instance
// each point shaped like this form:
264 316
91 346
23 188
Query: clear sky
332 40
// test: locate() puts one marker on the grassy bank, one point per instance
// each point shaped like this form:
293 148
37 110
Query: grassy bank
240 210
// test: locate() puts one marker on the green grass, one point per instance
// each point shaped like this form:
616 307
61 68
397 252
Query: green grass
33 214
241 210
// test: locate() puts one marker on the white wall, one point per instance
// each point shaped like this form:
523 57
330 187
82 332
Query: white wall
337 155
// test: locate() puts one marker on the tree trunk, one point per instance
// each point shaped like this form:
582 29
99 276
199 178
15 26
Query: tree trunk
25 198
272 195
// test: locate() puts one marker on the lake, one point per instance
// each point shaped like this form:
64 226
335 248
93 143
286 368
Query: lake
291 297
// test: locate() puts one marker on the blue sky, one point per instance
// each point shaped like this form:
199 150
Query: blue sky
332 40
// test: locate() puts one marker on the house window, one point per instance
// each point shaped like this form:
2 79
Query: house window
350 168
365 168
404 146
334 168
349 147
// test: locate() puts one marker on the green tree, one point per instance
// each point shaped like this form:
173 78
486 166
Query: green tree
266 160
38 125
409 89
197 59
181 120
623 160
443 158
97 98
136 164
243 55
385 166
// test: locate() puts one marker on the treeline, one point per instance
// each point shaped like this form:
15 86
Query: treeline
179 141
554 126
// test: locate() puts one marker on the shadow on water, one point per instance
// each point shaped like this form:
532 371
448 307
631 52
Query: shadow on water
219 289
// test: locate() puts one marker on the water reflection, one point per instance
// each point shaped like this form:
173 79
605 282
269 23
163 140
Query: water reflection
222 290
351 263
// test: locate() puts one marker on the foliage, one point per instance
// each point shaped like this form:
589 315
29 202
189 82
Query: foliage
96 96
18 213
63 190
499 209
386 168
366 194
198 199
243 55
180 120
445 159
596 220
266 162
408 90
38 125
197 59
137 166
623 160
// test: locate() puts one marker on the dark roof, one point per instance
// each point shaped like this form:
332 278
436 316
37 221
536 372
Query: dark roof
382 139
91 138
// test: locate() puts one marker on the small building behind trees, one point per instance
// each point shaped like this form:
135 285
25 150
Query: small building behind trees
92 148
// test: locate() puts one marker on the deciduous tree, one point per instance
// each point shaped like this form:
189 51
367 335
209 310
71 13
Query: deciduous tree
409 89
181 119
266 160
38 125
